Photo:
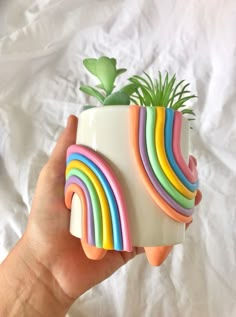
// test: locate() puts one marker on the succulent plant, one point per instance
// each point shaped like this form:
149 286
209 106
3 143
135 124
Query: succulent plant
142 90
105 70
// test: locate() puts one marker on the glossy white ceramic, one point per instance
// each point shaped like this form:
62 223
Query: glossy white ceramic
106 130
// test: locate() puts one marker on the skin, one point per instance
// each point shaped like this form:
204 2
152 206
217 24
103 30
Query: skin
47 270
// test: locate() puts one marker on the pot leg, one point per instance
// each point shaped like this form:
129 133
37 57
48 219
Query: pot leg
92 252
157 255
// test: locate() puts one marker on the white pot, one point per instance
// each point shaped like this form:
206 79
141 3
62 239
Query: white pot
106 130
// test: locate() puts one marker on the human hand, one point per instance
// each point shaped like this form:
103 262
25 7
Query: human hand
48 247
48 229
48 260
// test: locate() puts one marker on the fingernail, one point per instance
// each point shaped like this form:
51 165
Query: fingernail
68 121
72 120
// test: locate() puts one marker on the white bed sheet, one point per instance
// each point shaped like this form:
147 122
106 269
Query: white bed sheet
42 44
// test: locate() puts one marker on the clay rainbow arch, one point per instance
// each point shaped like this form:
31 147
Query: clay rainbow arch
105 217
170 182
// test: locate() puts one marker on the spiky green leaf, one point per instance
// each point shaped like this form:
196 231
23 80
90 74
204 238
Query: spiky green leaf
183 90
188 111
150 81
167 91
181 103
140 80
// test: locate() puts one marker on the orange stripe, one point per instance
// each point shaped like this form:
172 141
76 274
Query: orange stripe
73 188
91 252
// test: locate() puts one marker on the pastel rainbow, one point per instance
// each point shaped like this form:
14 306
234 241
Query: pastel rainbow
160 176
109 213
152 166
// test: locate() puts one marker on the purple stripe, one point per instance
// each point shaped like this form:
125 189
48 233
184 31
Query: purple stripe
148 168
90 224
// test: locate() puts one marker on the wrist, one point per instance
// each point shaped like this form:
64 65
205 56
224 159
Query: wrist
27 287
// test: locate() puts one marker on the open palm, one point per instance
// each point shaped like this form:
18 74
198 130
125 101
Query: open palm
48 235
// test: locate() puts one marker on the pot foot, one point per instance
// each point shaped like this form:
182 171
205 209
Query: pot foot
92 252
157 255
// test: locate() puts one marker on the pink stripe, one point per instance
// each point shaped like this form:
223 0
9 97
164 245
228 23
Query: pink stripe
189 171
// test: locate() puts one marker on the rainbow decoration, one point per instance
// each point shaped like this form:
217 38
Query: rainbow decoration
155 138
104 213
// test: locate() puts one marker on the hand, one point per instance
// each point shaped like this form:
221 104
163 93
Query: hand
48 270
49 247
48 229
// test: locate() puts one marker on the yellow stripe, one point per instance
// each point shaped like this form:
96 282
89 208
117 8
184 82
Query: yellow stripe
161 153
106 217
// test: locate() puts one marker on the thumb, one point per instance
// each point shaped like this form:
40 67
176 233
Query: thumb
67 138
53 173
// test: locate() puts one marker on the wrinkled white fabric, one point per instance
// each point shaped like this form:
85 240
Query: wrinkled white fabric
42 44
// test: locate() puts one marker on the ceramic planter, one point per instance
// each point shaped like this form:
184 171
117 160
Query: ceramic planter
130 180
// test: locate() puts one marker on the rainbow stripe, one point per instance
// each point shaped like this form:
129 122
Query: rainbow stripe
155 138
105 218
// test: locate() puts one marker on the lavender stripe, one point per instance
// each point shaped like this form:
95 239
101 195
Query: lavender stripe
90 224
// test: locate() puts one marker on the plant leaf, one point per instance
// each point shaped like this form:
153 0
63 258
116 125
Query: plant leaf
182 91
87 107
106 73
147 98
150 81
113 61
159 89
134 100
188 111
167 89
120 71
174 93
117 98
101 87
93 92
139 79
180 103
140 98
90 64
128 89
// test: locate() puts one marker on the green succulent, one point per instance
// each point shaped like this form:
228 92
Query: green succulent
142 90
105 70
